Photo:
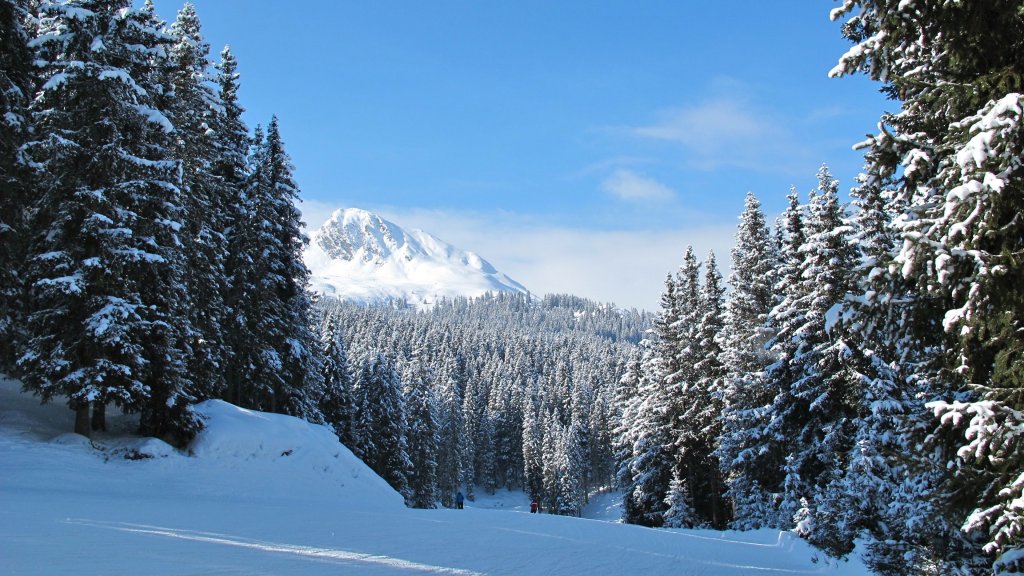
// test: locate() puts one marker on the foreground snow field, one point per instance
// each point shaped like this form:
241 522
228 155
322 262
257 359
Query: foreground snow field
269 494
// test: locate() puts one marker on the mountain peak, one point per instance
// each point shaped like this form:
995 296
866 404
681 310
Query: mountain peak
357 255
355 234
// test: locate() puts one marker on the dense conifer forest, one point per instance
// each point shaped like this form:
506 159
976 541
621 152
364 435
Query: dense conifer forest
857 376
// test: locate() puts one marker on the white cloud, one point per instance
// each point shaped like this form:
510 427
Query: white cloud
316 212
715 124
730 131
631 186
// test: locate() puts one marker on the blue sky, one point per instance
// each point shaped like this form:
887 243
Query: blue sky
578 146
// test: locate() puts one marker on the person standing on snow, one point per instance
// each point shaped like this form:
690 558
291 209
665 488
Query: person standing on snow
459 499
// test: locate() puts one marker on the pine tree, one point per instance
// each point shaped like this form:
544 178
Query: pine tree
381 422
627 400
580 441
754 452
533 440
953 153
470 443
106 274
811 418
231 167
571 461
504 411
679 513
16 89
337 404
654 460
602 426
708 393
487 453
683 395
882 493
275 350
449 455
553 463
826 391
422 438
745 355
191 105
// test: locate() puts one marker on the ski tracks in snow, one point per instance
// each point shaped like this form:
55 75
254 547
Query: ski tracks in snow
310 552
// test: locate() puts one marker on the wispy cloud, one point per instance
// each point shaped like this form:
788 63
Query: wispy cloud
710 126
316 212
634 187
730 129
603 166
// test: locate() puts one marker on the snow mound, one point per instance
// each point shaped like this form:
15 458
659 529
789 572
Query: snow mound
233 432
70 439
234 436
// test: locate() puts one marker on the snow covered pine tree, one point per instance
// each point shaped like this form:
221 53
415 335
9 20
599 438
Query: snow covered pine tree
952 162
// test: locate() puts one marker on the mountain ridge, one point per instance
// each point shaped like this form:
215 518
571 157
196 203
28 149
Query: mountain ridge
357 255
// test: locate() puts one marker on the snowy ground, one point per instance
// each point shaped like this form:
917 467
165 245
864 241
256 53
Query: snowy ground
267 494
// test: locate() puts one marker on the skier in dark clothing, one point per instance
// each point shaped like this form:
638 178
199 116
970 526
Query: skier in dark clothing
534 506
459 499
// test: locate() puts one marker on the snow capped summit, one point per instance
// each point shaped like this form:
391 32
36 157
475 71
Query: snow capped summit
357 255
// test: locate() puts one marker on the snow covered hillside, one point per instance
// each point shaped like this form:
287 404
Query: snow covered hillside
269 494
359 256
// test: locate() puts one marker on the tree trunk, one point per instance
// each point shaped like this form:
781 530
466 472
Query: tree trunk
99 416
717 511
82 419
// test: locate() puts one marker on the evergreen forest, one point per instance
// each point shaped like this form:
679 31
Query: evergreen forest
858 376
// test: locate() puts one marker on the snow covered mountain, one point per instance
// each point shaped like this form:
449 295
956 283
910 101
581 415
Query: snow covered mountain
359 256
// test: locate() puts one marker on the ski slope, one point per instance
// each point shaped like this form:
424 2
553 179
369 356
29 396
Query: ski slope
265 494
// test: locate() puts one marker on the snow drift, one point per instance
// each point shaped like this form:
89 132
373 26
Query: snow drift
269 494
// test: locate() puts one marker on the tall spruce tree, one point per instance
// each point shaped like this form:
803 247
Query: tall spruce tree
823 394
422 437
755 452
192 105
882 496
16 88
533 448
337 403
106 268
275 361
627 401
744 338
472 412
652 463
682 394
703 414
381 422
952 154
231 167
451 384
553 464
